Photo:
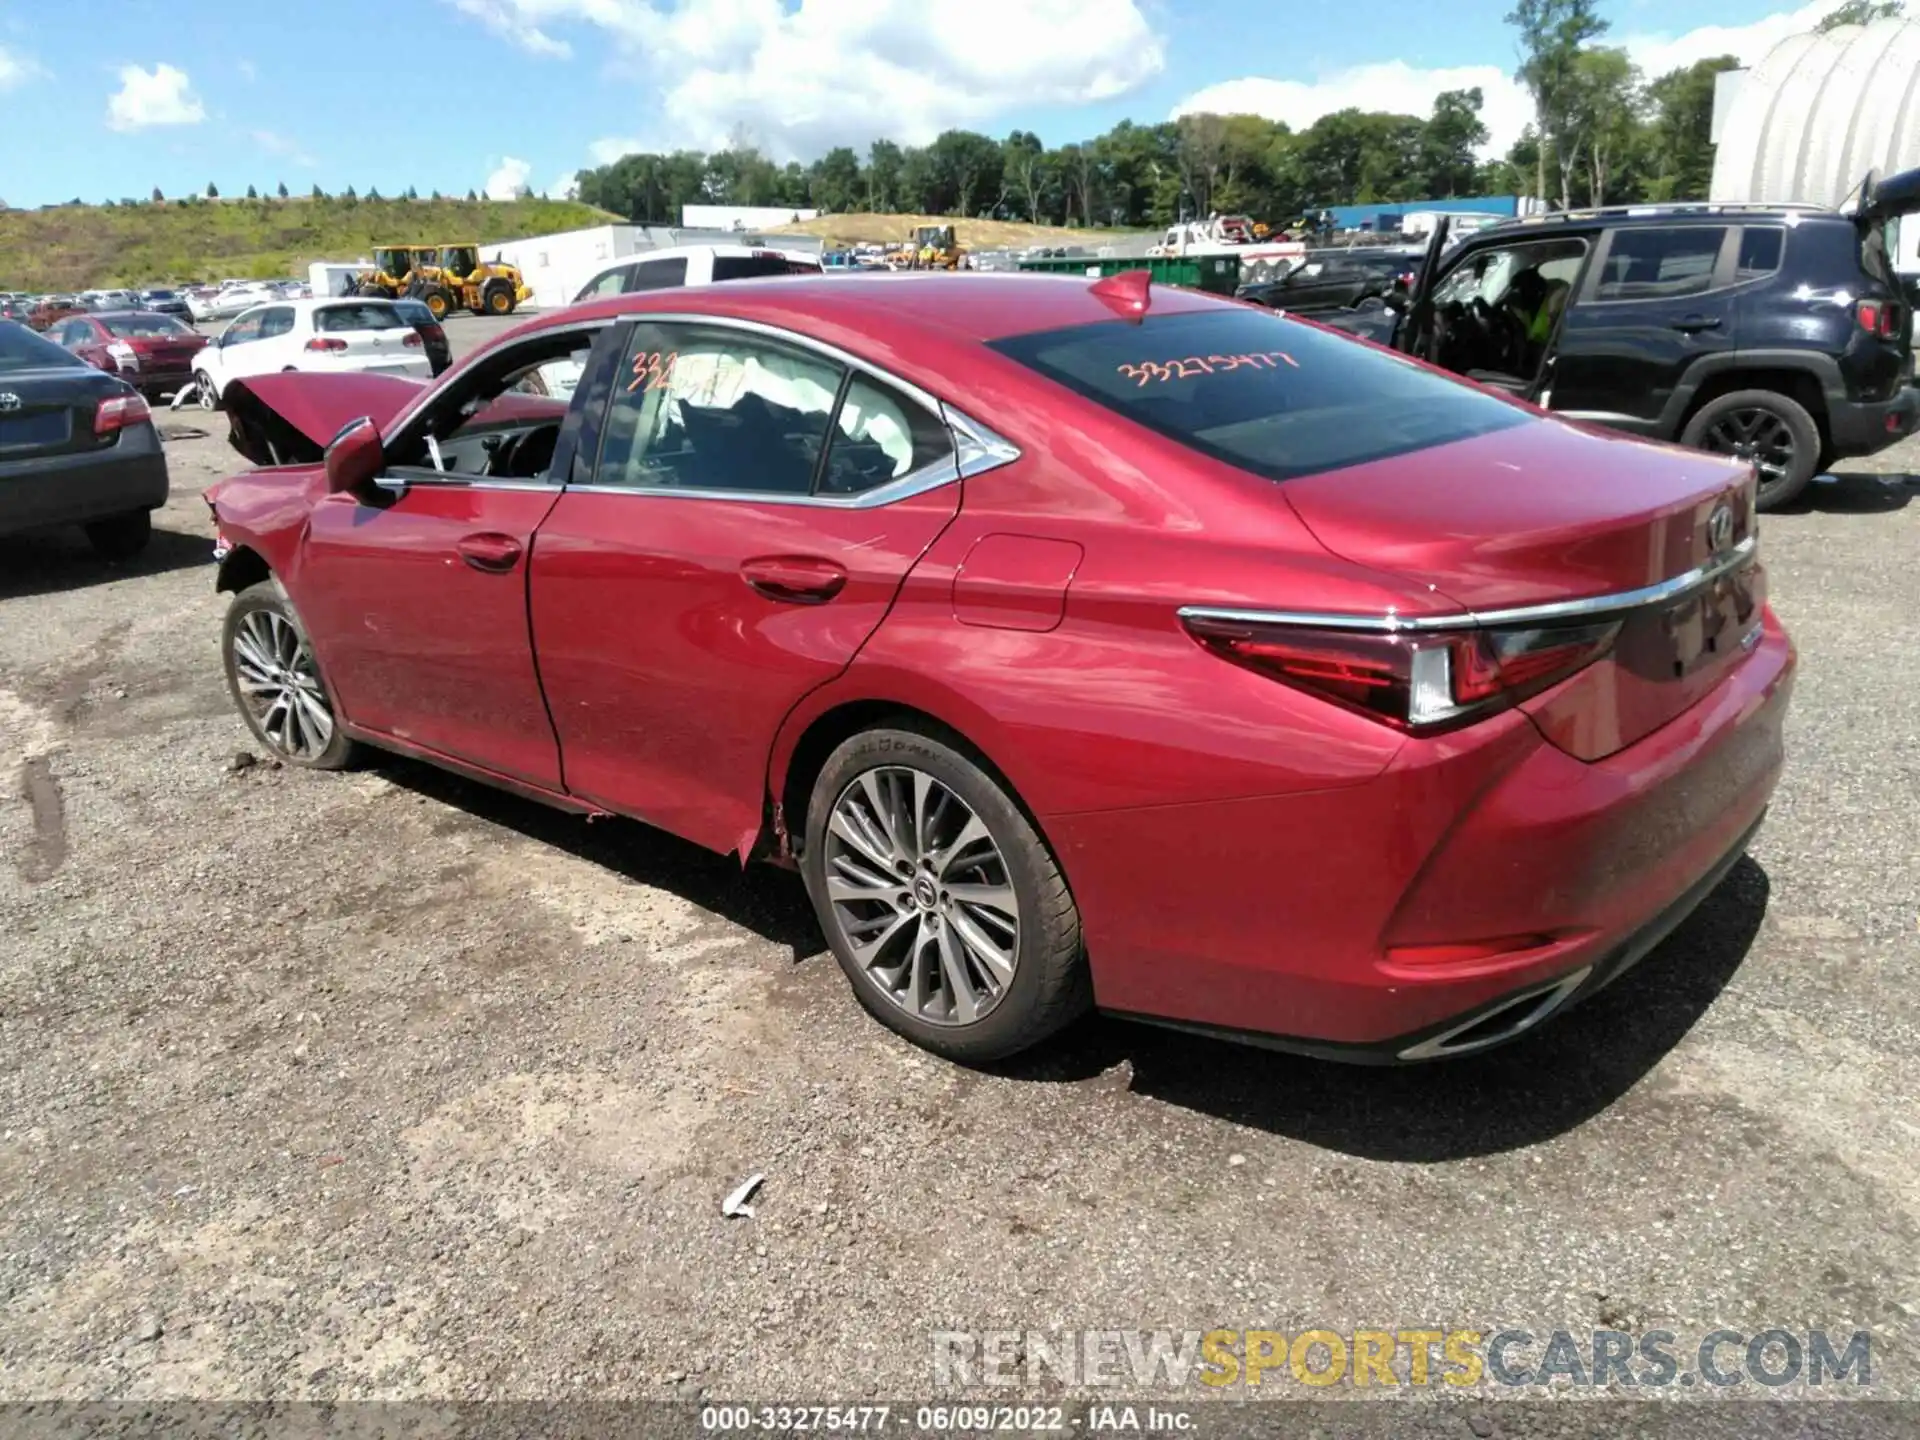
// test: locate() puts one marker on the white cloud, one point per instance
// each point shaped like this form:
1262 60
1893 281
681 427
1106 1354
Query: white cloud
513 22
1409 89
160 96
17 69
275 143
1390 85
508 180
805 77
609 149
567 187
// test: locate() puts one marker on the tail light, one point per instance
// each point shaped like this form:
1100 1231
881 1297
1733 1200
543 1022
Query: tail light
413 339
326 342
1422 683
1879 318
116 412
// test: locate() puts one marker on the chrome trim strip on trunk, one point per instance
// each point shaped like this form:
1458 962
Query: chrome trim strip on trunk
1589 607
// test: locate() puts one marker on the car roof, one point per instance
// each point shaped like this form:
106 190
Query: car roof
977 306
1696 213
127 313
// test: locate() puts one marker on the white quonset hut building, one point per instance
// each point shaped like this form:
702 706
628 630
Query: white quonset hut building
1816 114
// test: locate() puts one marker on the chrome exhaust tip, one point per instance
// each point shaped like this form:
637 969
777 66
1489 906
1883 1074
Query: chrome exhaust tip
1512 1017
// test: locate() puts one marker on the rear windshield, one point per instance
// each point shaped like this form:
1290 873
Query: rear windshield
160 295
368 316
144 325
21 349
1262 391
748 267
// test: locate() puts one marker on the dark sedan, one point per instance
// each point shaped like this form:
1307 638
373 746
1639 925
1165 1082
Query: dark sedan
77 447
166 302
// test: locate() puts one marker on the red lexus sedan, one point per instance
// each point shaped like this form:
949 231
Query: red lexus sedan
1082 643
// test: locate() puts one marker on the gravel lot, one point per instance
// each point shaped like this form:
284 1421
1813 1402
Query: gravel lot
385 1085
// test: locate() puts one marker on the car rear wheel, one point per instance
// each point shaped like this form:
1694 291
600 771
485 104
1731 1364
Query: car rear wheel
276 682
1772 430
941 902
121 537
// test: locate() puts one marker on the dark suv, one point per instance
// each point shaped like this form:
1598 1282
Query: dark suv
1776 333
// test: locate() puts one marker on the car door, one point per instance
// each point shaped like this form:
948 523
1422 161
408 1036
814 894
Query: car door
233 353
753 505
1648 310
415 592
276 349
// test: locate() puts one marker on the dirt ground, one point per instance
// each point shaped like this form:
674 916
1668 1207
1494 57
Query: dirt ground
385 1085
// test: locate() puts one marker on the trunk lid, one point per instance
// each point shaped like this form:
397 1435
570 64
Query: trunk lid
50 410
1550 513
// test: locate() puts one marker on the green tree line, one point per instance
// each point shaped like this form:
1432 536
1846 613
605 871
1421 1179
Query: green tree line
1603 133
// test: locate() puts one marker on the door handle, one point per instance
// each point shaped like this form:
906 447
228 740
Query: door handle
495 554
1693 324
795 579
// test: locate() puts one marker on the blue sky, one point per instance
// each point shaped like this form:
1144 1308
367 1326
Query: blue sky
108 98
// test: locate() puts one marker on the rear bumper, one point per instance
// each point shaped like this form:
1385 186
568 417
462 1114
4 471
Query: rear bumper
1309 922
1861 428
72 489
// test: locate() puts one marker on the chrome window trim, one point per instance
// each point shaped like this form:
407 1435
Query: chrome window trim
400 481
977 448
1562 610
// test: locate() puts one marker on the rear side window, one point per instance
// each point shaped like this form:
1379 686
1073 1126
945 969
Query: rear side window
359 317
1660 264
1261 391
749 267
659 274
1760 247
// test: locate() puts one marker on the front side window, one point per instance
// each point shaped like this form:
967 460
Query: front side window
703 408
1656 264
611 282
502 422
1260 391
243 330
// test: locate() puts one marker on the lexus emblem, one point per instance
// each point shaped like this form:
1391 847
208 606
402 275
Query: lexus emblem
1719 529
9 400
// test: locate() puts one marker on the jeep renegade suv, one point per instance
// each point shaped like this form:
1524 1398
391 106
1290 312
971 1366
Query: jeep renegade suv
1776 333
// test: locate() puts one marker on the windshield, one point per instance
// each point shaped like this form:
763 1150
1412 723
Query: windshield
145 325
21 349
368 315
1261 391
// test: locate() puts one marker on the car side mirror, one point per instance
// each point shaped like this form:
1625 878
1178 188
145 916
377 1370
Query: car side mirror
354 457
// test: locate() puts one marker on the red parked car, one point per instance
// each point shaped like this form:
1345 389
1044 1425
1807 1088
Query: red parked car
1081 643
153 353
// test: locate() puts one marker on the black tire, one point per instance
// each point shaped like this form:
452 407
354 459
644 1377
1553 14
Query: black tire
1050 986
339 752
497 298
1773 430
121 537
438 300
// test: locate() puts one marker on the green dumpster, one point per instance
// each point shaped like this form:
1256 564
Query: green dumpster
1217 273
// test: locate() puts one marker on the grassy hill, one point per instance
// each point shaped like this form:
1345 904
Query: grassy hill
973 234
77 247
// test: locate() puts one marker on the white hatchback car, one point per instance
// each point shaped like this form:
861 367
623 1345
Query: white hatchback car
365 335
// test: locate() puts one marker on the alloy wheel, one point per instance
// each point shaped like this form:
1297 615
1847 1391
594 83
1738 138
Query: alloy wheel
1757 435
280 686
203 393
922 895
